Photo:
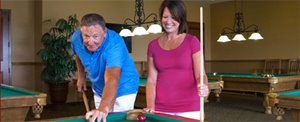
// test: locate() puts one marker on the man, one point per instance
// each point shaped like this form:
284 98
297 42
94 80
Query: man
103 55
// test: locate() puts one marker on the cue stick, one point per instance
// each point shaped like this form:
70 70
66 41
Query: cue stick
87 108
201 65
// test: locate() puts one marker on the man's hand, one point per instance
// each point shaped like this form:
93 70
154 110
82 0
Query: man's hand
96 115
81 82
81 85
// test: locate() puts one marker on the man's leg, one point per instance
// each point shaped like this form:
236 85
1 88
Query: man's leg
123 103
97 100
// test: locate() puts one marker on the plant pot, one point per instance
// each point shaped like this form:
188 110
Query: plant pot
58 92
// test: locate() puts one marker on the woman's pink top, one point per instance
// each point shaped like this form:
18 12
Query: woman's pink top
176 87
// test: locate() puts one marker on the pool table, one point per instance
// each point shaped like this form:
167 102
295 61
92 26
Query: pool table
284 100
121 117
140 102
253 82
15 103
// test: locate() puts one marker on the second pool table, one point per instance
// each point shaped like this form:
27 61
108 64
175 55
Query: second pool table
285 100
253 82
15 103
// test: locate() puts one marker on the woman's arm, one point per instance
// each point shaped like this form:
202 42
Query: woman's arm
151 85
202 90
197 68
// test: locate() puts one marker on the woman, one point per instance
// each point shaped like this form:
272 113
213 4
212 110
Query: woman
174 66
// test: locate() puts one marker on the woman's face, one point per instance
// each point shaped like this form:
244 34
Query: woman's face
168 22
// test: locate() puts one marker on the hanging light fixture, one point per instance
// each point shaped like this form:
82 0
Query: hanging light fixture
139 20
239 29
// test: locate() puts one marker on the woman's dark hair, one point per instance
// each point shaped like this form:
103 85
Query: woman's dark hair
177 10
93 19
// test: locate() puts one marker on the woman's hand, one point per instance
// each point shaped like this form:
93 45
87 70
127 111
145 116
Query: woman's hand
149 110
203 90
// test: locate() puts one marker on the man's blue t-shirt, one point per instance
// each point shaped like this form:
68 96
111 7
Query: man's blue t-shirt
112 53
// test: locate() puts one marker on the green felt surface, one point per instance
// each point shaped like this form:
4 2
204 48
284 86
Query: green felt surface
255 75
211 81
72 120
8 91
121 117
295 93
143 81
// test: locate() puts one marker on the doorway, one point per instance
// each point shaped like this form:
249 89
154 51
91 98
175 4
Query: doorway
5 47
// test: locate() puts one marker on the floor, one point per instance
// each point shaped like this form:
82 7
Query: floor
232 107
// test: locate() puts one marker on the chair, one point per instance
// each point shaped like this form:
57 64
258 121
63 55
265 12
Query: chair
144 69
272 66
294 66
141 67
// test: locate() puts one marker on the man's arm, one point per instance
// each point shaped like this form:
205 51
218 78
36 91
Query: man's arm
111 77
81 75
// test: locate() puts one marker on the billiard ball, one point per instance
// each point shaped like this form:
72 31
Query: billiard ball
141 117
267 75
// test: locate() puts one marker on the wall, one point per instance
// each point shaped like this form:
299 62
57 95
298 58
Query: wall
37 44
112 15
299 28
108 10
279 29
22 42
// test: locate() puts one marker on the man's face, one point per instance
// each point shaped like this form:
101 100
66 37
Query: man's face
93 36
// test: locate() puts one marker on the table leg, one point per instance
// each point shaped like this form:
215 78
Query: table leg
217 94
269 102
278 112
206 99
218 91
37 110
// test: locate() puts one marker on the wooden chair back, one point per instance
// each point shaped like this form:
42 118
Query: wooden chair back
272 66
293 66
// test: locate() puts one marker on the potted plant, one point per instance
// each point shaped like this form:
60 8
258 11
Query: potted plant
55 54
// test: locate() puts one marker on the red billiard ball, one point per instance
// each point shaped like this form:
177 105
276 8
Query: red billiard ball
141 117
